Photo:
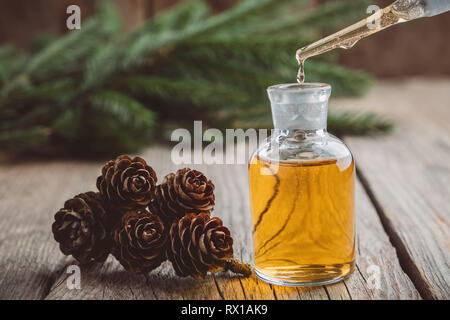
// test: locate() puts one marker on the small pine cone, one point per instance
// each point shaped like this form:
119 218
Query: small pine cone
81 228
127 183
186 191
139 241
199 244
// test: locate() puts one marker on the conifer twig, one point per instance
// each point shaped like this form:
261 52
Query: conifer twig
238 267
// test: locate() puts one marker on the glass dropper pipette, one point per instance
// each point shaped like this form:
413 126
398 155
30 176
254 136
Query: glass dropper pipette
398 12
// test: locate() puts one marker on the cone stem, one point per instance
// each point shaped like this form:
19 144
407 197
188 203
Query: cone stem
237 266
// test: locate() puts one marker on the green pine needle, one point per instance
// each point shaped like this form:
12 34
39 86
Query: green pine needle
124 109
356 123
23 139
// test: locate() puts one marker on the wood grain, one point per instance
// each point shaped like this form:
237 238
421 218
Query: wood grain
405 176
112 282
30 193
408 176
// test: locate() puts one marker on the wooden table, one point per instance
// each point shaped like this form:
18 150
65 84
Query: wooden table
402 204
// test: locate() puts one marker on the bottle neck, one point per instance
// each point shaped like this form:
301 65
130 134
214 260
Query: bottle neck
300 109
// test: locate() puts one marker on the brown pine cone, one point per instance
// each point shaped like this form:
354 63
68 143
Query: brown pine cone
186 191
199 244
81 228
139 241
127 183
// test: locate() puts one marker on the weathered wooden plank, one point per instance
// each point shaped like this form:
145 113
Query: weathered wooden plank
407 178
30 194
408 174
110 281
232 206
374 251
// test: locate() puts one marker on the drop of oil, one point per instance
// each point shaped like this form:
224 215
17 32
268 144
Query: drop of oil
301 72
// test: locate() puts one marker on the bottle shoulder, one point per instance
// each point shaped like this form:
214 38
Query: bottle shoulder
326 147
337 147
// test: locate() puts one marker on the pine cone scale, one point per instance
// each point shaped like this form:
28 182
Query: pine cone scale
128 183
186 191
80 228
199 244
139 241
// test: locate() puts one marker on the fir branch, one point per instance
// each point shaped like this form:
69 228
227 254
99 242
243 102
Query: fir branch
55 90
344 82
145 45
11 62
123 108
6 52
200 93
78 42
97 91
108 123
249 79
23 139
157 35
254 72
183 15
343 123
257 50
330 15
62 56
245 15
41 115
101 65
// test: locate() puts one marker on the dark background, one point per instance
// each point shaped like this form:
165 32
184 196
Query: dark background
420 47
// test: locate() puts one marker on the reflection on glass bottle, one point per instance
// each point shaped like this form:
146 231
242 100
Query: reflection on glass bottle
302 193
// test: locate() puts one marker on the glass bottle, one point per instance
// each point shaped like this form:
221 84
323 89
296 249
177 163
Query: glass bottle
302 193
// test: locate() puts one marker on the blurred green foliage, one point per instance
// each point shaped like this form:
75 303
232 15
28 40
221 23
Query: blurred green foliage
100 91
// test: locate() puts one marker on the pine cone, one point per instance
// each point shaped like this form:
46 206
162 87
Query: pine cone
199 244
127 183
186 191
81 228
139 241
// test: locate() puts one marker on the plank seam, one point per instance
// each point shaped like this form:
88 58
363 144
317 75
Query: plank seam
405 260
52 280
326 291
149 284
218 288
359 271
273 291
348 291
243 290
